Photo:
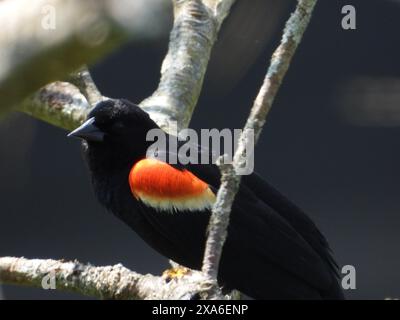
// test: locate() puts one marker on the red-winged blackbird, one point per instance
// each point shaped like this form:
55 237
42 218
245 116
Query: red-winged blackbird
273 250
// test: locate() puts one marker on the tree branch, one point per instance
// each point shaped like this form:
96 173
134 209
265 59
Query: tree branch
195 30
110 282
196 25
60 104
230 181
63 104
44 40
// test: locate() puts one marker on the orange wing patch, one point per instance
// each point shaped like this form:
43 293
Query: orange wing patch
164 187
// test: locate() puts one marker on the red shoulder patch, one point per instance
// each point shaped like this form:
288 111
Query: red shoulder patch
162 186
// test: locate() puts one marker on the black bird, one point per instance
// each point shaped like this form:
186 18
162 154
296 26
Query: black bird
273 250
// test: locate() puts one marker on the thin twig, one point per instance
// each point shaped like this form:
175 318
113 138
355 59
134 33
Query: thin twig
230 181
84 82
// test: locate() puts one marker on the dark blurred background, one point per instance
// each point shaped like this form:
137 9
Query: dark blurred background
331 144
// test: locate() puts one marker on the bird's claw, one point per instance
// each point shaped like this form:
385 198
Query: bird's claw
175 273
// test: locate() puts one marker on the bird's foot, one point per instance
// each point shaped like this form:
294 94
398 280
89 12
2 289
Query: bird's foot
175 273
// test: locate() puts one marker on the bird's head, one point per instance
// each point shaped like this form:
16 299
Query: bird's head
115 132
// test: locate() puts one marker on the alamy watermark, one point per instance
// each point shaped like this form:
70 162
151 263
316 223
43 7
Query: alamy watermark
49 17
188 147
349 20
349 277
49 281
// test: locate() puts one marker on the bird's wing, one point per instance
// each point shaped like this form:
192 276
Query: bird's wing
293 215
254 184
281 232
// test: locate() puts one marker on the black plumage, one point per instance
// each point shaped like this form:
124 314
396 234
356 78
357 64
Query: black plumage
273 250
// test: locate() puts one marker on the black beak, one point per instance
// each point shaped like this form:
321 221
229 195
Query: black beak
88 131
